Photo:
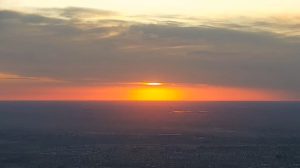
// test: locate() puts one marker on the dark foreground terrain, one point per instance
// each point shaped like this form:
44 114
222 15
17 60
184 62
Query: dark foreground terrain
153 134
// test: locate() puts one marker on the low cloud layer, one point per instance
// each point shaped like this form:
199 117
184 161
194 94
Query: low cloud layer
82 46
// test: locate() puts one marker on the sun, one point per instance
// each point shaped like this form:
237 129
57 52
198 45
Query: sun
155 91
153 83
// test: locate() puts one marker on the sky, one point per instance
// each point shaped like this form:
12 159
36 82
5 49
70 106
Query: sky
218 50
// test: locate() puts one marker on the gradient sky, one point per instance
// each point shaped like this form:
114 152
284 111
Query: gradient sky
109 49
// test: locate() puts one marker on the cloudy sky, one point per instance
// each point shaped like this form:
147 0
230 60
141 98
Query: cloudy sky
107 49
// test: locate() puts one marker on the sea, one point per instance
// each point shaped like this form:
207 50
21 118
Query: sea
92 134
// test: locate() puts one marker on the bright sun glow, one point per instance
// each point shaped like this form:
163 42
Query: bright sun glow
155 94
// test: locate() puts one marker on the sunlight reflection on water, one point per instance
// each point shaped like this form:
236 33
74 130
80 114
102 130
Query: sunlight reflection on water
189 111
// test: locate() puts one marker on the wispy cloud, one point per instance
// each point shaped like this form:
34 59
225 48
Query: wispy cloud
8 77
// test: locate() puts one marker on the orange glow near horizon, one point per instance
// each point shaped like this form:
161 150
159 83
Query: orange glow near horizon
145 92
